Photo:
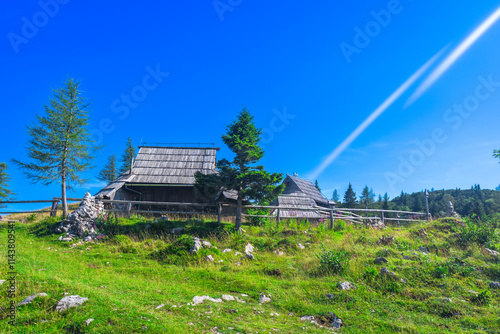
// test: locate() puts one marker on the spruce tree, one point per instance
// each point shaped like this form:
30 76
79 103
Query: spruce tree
335 196
385 205
108 173
60 147
316 185
241 175
367 197
349 197
127 157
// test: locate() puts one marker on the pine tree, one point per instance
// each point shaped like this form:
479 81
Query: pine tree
60 146
108 173
316 184
5 193
496 153
349 197
385 205
127 157
335 196
241 175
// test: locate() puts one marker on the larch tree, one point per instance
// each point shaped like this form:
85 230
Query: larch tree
5 193
60 147
241 175
127 157
109 172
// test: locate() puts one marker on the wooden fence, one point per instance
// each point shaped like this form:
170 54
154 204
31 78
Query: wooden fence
365 216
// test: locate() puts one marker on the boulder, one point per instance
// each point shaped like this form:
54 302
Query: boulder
264 299
30 299
337 322
345 286
248 249
227 250
495 285
385 271
491 252
196 246
206 244
70 301
209 258
88 321
200 299
380 260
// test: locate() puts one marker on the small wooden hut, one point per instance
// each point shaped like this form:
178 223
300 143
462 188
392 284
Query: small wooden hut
162 174
300 193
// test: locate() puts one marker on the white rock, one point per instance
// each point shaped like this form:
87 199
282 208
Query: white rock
160 306
337 322
248 249
227 250
491 251
196 246
250 256
264 299
209 258
227 297
220 261
345 286
30 299
307 318
2 281
70 301
88 321
200 299
237 254
206 244
301 246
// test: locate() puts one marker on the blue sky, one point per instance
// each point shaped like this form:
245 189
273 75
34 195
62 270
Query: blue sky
287 62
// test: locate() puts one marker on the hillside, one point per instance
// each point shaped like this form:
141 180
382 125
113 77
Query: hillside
127 278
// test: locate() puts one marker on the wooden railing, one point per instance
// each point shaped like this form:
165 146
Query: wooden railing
274 212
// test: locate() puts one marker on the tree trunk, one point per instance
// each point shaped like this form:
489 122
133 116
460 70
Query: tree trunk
238 215
63 195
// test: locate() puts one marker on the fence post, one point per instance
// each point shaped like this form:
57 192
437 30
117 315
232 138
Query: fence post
383 218
129 208
278 217
219 209
53 210
331 219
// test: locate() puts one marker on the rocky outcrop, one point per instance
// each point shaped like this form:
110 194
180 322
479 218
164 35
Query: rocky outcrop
450 212
80 223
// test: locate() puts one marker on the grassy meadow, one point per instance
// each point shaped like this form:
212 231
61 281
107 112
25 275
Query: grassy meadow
141 265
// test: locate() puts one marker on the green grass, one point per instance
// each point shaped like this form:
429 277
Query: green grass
128 275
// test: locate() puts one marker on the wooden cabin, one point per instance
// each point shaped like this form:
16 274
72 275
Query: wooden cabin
300 193
162 174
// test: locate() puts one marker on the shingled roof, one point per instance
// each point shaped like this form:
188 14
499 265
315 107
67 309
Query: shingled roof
165 165
305 187
172 165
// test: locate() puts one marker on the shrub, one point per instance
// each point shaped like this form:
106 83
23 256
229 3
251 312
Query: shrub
333 261
370 274
482 298
340 225
440 272
31 218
